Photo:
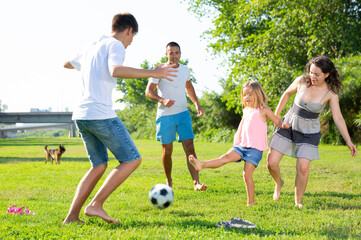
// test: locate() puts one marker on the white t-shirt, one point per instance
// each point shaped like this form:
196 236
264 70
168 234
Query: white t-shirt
97 84
174 90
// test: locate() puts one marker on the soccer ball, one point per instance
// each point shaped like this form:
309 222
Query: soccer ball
161 196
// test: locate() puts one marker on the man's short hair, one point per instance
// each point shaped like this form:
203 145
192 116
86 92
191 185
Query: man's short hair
122 21
173 44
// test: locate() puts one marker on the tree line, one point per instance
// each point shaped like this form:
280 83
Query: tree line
269 41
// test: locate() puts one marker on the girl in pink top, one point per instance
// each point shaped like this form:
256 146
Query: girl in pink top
250 139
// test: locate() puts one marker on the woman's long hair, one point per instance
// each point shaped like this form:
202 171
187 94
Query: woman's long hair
326 65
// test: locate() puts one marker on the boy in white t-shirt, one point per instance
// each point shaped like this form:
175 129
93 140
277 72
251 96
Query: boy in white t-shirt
172 114
100 65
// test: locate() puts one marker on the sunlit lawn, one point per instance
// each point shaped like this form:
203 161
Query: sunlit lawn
332 200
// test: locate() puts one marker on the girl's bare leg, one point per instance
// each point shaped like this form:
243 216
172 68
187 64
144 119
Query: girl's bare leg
230 156
248 180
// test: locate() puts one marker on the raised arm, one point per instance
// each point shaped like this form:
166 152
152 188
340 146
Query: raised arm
151 94
287 94
192 95
340 123
160 71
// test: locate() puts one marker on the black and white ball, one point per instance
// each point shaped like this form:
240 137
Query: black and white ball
161 196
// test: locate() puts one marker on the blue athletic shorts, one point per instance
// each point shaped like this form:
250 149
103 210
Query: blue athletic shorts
168 126
251 155
98 135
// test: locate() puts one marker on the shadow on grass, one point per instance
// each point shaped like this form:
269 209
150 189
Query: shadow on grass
4 160
259 232
191 224
39 142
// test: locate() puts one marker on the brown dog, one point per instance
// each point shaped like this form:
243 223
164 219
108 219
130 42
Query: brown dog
54 154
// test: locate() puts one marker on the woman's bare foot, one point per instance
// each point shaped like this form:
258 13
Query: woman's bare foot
99 212
200 187
195 162
277 193
300 205
71 220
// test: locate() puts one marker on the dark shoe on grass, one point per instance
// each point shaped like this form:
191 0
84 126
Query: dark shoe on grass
240 223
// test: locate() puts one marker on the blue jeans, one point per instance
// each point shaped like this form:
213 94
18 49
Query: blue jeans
98 135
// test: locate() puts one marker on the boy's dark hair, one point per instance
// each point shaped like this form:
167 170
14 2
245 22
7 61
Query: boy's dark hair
173 44
122 21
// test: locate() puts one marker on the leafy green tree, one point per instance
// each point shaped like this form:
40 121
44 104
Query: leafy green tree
350 103
270 40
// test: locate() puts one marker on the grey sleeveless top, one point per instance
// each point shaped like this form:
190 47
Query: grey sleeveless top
315 107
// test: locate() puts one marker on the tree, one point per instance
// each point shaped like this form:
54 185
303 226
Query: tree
271 40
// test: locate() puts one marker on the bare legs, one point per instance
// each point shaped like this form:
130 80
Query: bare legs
273 164
302 167
87 184
248 180
167 150
229 157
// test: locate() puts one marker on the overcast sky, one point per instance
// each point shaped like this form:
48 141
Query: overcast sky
38 36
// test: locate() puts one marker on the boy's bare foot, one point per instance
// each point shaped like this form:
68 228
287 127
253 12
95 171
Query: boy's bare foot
200 187
250 204
277 193
99 212
71 220
195 162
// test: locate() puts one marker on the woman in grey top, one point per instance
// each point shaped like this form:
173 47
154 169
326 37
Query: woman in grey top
319 87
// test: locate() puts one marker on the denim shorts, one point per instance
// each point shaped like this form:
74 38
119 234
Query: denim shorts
168 126
98 135
251 155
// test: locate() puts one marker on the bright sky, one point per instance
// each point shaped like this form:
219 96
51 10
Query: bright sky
38 36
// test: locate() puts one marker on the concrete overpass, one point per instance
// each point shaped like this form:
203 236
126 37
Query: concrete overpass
50 119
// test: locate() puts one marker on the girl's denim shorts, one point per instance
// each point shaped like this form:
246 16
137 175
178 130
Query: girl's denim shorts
251 155
100 135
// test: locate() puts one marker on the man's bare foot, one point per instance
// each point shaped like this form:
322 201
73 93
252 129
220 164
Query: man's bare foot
250 204
200 187
277 193
99 212
169 183
71 220
195 163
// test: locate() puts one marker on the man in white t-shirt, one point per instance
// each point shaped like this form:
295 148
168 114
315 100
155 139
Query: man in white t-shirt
100 65
172 114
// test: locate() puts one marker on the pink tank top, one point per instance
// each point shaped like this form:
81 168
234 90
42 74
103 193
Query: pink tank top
252 131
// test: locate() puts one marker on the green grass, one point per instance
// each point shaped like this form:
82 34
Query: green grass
332 200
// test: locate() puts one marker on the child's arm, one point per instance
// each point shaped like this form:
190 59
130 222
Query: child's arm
275 119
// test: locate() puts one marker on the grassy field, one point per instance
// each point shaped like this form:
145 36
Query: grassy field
332 200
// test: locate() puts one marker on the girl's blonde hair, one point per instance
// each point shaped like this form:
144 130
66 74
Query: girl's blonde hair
260 96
